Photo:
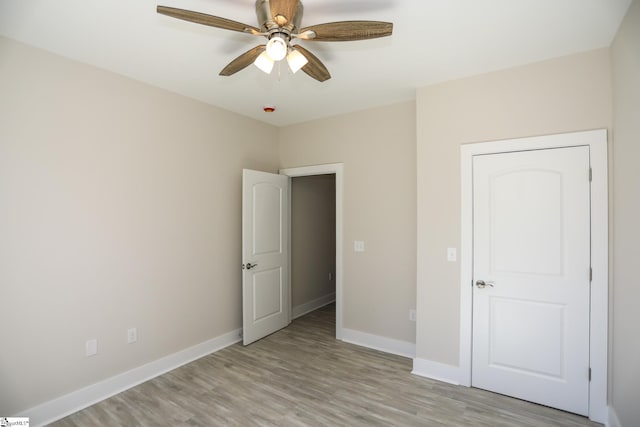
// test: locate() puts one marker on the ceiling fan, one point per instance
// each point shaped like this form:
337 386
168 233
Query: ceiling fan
279 21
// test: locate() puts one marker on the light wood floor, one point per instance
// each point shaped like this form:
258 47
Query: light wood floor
302 376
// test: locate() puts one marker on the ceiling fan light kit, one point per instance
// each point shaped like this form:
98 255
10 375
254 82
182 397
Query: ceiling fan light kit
296 60
280 22
264 62
277 47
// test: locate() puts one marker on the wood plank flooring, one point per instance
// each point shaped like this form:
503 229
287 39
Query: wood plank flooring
302 376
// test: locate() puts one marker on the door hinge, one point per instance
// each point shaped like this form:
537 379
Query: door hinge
590 174
589 374
590 274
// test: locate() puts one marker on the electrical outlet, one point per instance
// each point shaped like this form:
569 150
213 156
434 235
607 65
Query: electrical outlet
132 335
91 348
358 246
412 315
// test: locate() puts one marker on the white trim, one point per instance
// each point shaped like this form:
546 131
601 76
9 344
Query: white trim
599 321
338 170
612 419
597 142
75 401
436 371
376 342
308 307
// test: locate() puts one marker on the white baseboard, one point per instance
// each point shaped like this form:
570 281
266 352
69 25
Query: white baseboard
376 342
75 401
612 418
308 307
436 371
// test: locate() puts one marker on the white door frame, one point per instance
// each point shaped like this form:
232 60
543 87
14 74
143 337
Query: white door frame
338 170
597 141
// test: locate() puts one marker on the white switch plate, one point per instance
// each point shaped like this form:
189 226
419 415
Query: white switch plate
91 348
358 246
412 315
132 335
451 254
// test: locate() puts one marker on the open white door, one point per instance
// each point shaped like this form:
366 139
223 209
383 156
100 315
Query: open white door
531 263
265 254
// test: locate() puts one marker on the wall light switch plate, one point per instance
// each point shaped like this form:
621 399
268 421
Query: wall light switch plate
451 254
132 335
91 348
358 246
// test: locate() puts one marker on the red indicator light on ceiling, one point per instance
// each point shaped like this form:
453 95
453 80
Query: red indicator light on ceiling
269 109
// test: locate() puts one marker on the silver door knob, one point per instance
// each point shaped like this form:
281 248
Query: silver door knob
481 284
250 266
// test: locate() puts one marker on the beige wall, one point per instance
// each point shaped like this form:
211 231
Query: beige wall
561 95
625 54
377 148
119 207
313 238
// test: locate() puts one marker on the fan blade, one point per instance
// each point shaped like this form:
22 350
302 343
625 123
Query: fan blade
348 31
204 19
242 61
284 8
314 68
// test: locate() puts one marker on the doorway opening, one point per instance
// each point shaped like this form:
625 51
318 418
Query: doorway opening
307 298
313 243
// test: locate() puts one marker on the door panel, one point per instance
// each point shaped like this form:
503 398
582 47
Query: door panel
267 217
267 294
265 254
510 343
537 248
532 249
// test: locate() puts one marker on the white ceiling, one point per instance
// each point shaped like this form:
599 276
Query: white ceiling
433 41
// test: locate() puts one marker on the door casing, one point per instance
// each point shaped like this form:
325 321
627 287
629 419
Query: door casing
338 170
596 140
